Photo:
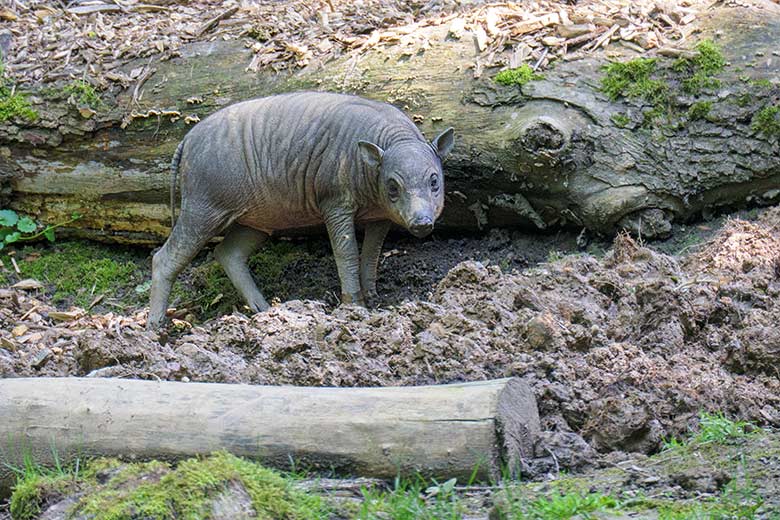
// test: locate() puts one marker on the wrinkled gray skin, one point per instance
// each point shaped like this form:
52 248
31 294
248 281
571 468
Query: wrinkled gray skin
293 161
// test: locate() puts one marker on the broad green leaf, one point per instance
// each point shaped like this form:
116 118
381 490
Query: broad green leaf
2 245
8 218
10 238
26 225
49 234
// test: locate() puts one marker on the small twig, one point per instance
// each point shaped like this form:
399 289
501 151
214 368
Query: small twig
26 314
215 21
148 71
16 266
555 459
541 59
96 301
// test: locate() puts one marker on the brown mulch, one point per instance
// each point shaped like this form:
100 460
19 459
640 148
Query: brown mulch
49 41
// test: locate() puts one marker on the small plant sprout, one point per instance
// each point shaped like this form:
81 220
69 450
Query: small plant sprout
14 228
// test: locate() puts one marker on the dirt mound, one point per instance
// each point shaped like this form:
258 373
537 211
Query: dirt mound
621 351
743 246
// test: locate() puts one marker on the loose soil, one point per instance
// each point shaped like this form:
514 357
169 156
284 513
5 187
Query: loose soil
623 350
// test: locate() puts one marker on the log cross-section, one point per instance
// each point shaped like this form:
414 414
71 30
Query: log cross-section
442 431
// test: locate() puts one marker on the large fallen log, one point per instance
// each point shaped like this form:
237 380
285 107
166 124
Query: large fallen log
554 151
442 431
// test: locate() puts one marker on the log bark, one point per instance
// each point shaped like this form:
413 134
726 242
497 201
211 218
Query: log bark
547 154
442 431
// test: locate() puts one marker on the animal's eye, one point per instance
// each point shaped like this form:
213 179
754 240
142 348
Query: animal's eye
434 182
393 190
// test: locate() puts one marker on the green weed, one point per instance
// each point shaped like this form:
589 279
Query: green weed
412 501
34 482
718 428
737 502
561 506
14 228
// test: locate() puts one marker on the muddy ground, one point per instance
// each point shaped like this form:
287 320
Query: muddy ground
623 348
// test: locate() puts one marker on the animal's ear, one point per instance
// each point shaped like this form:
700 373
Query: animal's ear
370 153
444 142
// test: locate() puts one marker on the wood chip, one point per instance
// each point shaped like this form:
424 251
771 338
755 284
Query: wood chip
27 284
65 316
8 344
19 330
528 26
572 31
95 8
41 358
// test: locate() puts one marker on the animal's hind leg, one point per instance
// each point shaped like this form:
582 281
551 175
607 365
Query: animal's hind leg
188 236
233 253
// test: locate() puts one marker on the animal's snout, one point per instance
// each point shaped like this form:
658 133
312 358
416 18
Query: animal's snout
421 226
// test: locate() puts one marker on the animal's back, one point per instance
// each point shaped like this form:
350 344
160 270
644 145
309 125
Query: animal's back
274 159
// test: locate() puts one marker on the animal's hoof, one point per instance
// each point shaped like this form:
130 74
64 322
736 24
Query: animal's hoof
353 299
370 297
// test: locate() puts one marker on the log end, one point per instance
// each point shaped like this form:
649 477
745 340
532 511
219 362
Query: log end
517 427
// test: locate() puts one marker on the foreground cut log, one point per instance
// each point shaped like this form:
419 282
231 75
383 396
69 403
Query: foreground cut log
443 431
557 151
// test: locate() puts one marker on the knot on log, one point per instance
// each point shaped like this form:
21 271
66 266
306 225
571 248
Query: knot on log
544 135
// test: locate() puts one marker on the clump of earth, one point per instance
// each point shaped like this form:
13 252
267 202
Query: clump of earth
623 350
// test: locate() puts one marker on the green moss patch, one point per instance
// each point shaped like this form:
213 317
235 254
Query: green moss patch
83 93
620 120
767 121
518 76
158 491
700 70
13 104
646 80
699 110
80 271
632 79
32 492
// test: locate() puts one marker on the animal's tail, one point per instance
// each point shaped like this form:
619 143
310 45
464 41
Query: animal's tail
174 172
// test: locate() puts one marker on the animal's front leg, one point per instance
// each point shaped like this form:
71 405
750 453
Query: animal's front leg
341 229
369 256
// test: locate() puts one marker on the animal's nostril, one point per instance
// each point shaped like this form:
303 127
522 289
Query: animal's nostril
421 227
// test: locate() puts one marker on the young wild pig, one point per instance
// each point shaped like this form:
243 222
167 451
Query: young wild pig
298 160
